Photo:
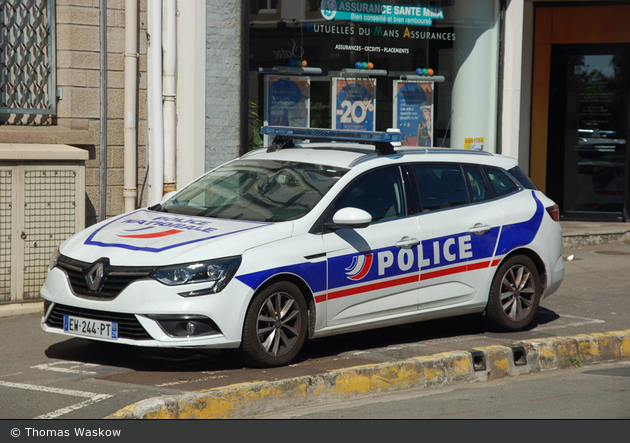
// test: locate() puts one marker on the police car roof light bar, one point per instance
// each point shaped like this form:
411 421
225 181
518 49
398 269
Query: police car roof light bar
381 139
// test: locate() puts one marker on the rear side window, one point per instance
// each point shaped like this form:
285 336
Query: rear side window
440 186
522 178
478 189
500 183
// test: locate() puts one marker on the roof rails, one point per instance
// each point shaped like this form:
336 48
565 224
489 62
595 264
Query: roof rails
284 136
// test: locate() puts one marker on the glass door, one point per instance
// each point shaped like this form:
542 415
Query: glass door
587 168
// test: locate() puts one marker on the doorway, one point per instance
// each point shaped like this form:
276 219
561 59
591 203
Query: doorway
587 147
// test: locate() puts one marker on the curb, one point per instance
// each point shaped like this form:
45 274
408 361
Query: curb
449 368
13 309
587 239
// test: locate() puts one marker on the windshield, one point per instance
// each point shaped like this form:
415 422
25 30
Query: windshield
256 190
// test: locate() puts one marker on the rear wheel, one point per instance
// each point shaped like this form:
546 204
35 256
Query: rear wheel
275 326
514 295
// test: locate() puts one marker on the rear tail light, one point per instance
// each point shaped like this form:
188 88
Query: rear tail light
554 212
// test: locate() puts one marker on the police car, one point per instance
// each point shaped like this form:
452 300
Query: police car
323 233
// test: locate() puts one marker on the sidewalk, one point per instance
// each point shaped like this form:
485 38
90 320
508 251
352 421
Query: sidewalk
577 233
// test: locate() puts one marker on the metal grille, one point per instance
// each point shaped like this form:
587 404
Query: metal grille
27 59
49 218
128 324
6 203
116 278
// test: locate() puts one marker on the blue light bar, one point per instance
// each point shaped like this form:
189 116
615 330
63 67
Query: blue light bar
333 134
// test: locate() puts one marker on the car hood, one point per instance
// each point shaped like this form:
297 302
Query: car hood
147 238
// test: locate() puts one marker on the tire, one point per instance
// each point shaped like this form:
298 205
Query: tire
275 326
514 295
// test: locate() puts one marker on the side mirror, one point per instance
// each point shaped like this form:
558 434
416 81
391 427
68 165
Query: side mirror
352 218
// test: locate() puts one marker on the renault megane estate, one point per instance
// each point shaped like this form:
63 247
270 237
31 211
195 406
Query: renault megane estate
322 233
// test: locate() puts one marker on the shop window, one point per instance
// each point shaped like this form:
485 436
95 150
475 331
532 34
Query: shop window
431 70
263 6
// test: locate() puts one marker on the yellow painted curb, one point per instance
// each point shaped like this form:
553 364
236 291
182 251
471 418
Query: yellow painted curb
492 362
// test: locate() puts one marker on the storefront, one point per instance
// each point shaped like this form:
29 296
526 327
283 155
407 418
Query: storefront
430 69
581 108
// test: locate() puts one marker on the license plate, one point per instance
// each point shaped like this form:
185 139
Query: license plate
90 328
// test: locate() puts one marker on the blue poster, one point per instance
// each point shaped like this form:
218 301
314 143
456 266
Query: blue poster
413 112
355 105
287 101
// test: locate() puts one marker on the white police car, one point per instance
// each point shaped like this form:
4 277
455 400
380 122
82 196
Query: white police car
306 240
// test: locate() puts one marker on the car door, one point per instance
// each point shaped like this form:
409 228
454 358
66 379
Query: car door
460 225
373 272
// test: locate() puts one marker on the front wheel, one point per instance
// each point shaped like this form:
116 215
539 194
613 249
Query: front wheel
275 326
514 295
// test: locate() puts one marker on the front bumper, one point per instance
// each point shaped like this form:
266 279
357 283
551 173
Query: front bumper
149 313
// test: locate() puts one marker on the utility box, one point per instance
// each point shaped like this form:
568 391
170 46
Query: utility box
42 203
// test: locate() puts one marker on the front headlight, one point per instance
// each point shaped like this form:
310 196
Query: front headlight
215 273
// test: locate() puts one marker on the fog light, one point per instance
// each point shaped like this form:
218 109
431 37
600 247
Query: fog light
190 328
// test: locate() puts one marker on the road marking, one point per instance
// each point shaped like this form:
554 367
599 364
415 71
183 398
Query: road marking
581 322
70 370
91 396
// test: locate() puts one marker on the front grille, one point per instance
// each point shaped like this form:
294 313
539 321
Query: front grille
115 278
128 324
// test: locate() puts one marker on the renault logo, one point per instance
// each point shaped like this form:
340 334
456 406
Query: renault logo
95 275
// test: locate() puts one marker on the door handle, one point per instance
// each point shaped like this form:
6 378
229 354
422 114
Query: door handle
407 242
480 229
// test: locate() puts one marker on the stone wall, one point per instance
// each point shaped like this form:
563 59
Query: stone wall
78 74
223 80
77 122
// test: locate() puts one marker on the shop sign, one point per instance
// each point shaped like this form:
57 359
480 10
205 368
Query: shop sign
368 12
355 103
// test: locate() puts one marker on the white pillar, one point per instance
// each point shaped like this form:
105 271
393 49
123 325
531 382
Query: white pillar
512 69
130 190
191 91
154 102
169 97
475 87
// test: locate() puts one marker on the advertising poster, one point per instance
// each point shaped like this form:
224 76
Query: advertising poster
413 112
287 101
354 102
473 143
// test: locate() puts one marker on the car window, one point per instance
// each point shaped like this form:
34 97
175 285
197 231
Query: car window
478 189
522 178
256 190
500 183
379 192
440 186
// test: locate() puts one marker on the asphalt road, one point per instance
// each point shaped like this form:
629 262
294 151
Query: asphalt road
49 376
